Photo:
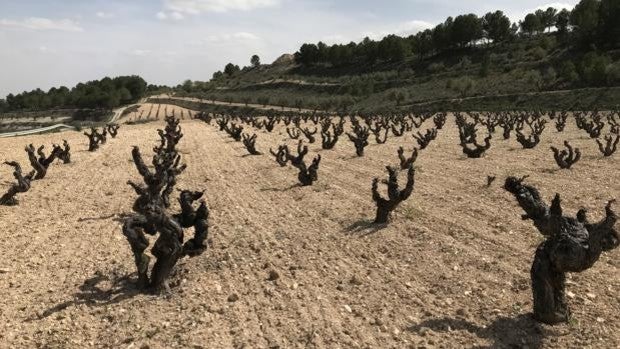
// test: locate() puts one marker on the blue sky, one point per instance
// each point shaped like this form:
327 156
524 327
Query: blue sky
49 43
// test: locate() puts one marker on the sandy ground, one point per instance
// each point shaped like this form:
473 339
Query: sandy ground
450 271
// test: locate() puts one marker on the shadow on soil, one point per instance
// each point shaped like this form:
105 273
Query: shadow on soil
364 227
518 332
92 295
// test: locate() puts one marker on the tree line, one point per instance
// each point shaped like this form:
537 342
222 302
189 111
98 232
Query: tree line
590 23
107 93
232 69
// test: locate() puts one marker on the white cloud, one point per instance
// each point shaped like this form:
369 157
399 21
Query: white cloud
105 15
176 16
245 36
519 16
140 53
200 6
240 36
161 15
335 39
36 23
557 5
403 29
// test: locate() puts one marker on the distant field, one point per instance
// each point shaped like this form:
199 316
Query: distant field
11 122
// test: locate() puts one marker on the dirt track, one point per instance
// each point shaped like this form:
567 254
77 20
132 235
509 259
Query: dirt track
451 270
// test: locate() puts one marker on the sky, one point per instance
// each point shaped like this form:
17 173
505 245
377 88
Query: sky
47 43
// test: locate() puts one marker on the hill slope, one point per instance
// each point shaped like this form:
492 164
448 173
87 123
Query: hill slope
540 72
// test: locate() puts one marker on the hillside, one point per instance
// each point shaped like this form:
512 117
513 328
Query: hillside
551 59
526 74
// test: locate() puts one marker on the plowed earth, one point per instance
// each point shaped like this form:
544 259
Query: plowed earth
451 270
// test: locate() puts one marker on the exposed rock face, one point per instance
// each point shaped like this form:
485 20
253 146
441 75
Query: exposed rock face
285 59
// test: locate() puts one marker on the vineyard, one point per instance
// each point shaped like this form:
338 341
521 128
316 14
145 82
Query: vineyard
307 230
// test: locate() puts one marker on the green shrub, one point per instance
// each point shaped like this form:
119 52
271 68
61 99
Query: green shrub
464 86
497 58
549 77
392 96
538 53
568 72
613 74
283 102
534 78
515 55
593 68
464 63
263 101
485 66
436 67
299 103
547 42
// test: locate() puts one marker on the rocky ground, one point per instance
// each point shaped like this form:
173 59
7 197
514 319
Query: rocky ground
294 267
